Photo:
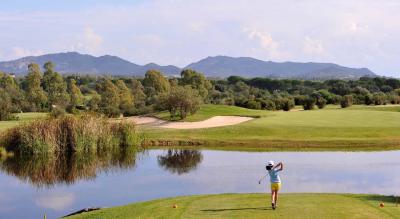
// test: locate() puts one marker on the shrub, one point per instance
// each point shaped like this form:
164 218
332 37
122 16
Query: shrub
270 105
287 104
321 103
309 103
252 104
57 112
379 98
346 101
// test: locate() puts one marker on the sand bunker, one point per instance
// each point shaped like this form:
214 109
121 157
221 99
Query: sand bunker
216 121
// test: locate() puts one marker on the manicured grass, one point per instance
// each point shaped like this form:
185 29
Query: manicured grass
256 206
23 117
332 128
207 111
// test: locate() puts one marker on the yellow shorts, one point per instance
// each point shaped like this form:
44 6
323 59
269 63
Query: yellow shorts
275 186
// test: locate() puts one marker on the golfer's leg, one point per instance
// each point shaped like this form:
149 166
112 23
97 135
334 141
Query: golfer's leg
276 197
273 196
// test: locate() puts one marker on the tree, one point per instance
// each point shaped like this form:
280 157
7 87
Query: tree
347 101
48 75
5 105
181 101
56 87
11 87
94 102
155 83
138 92
110 100
196 80
126 100
309 103
75 93
35 94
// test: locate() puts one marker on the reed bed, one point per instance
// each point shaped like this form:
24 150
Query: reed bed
87 132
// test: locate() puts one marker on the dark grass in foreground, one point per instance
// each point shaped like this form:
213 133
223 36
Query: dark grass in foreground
256 206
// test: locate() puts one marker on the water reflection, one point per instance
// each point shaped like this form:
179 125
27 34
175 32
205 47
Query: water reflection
180 161
46 171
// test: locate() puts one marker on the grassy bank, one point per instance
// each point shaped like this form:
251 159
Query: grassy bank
356 128
22 117
256 206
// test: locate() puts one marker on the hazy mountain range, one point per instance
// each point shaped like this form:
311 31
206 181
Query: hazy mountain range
218 66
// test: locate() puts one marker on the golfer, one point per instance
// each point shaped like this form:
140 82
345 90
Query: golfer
273 172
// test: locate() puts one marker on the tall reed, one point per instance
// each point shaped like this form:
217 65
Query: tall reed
86 132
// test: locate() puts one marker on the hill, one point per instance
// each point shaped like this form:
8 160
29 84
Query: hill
224 66
218 66
73 62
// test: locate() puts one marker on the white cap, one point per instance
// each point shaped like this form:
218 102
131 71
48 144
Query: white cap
271 163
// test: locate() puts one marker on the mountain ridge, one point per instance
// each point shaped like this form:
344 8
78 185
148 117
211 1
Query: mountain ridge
211 66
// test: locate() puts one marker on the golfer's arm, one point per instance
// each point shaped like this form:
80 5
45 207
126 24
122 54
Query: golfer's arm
281 164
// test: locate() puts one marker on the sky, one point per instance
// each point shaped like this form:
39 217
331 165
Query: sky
353 33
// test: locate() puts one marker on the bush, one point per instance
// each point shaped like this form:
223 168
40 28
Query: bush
270 105
321 103
57 112
287 104
379 98
394 99
252 104
346 101
309 103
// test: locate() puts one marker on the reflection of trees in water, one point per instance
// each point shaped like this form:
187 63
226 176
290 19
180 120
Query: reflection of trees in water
180 161
45 171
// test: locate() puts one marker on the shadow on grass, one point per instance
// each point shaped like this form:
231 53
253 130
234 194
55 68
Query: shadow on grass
380 198
236 209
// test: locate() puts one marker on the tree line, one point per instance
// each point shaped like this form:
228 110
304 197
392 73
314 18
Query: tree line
49 91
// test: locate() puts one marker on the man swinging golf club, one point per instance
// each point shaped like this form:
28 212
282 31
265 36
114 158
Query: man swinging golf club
273 172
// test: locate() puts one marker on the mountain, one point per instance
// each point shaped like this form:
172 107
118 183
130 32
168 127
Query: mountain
218 66
224 66
73 62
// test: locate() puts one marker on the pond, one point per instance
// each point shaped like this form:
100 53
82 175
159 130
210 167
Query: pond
32 187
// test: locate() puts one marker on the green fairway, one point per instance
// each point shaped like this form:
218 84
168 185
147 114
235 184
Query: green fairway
207 111
23 117
332 128
256 206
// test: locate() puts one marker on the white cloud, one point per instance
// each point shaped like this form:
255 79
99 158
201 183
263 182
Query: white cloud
89 41
18 52
312 46
55 201
179 32
265 40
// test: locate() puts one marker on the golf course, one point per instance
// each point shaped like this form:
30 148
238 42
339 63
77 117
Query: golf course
332 128
255 206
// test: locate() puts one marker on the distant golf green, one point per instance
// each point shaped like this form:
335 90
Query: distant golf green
23 117
359 127
256 206
207 111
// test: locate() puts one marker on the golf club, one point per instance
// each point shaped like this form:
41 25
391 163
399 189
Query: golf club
259 181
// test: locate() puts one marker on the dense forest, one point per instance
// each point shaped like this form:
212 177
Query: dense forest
50 91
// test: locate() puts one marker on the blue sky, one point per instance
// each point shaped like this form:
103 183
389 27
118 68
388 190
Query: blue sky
355 33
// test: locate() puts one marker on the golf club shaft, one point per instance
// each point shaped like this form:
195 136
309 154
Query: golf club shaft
263 178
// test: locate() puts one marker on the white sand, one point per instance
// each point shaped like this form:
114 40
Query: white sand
216 121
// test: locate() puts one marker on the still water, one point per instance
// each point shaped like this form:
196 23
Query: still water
32 187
